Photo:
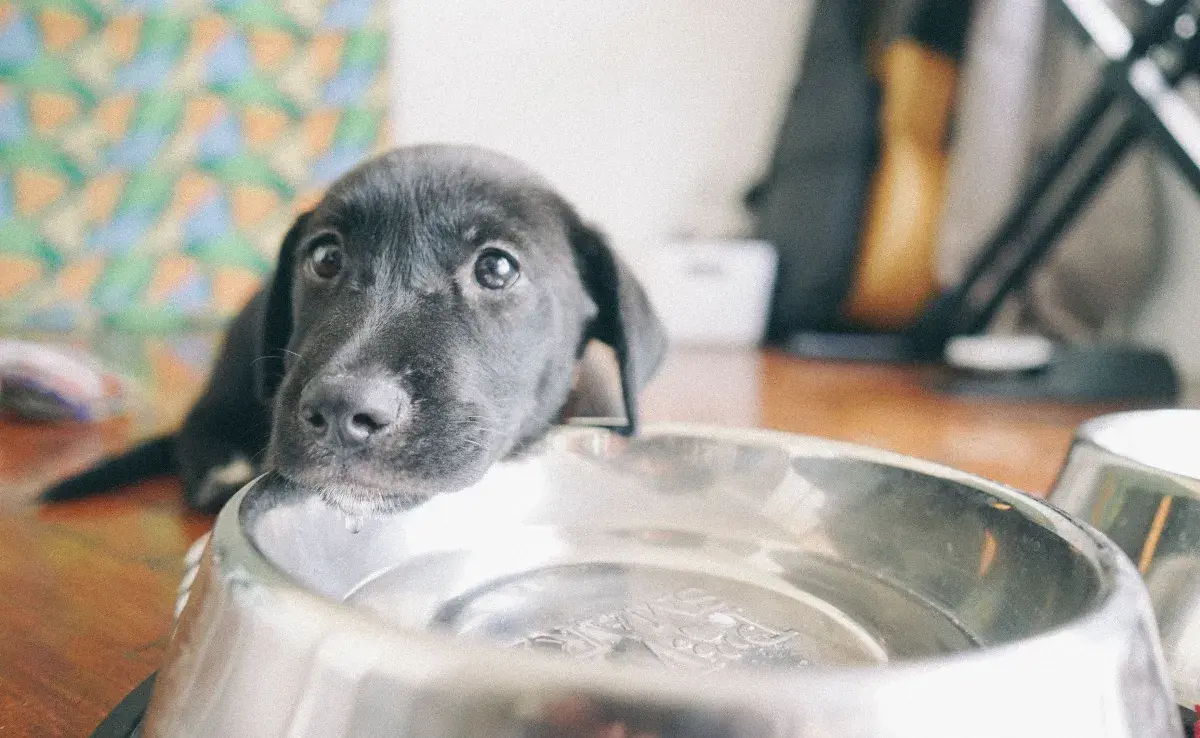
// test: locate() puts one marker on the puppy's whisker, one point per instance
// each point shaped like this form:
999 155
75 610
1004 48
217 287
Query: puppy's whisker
477 420
485 429
273 355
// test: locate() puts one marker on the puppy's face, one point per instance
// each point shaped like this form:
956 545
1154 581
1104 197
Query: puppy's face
438 299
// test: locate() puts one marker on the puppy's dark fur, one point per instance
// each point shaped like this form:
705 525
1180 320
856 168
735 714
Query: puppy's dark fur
483 372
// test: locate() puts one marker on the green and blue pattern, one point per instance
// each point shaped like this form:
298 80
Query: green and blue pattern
153 153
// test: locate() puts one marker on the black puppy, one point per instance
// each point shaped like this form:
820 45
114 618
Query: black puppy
425 320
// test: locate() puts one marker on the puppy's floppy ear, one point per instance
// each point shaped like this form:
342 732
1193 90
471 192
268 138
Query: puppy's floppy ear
275 329
625 320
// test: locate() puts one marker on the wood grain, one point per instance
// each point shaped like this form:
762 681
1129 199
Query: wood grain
1020 444
87 588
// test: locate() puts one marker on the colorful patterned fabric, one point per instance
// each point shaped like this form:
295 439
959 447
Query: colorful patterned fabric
152 153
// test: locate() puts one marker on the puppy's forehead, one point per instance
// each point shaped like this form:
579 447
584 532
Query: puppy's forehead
415 215
450 188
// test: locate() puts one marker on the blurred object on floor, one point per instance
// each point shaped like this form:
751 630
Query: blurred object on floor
162 376
894 275
1079 373
47 382
151 155
810 203
1016 353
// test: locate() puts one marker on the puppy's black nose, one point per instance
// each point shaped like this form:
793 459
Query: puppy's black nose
349 411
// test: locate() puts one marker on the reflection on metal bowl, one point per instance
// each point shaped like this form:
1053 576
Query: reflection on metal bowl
1136 477
689 582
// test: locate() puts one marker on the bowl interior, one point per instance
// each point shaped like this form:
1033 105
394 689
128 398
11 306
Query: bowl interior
699 553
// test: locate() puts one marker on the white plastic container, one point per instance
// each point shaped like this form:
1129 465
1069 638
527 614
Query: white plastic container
710 292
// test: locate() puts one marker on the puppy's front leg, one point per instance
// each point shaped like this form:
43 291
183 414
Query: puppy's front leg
213 466
221 443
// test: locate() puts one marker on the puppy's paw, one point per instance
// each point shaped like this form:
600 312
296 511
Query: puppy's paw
221 483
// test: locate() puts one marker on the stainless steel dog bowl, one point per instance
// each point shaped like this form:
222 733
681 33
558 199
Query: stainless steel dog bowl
690 582
1136 477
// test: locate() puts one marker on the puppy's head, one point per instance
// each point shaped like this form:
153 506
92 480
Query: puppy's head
424 321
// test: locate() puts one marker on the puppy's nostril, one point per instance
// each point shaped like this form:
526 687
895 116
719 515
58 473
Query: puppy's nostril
366 422
315 419
349 412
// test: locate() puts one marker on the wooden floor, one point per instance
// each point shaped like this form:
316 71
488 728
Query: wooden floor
87 588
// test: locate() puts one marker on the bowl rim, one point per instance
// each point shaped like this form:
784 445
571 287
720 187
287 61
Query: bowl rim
1120 607
1097 432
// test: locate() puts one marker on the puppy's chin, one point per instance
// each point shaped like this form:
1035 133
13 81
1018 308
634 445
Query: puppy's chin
361 501
359 497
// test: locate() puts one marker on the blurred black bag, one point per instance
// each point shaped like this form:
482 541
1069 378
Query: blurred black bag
810 204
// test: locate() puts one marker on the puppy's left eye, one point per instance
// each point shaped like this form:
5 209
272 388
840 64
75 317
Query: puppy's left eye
496 269
325 260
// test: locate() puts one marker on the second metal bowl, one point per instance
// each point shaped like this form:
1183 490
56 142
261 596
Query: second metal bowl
1136 477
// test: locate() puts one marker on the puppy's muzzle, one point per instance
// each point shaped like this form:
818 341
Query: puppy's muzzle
348 412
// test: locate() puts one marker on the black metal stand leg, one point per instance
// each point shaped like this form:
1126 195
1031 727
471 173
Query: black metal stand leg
1167 118
1061 154
1040 244
1157 111
1067 146
971 305
941 319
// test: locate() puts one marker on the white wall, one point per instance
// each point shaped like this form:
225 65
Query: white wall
653 117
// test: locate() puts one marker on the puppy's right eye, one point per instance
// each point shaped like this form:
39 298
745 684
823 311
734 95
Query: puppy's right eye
496 269
325 261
